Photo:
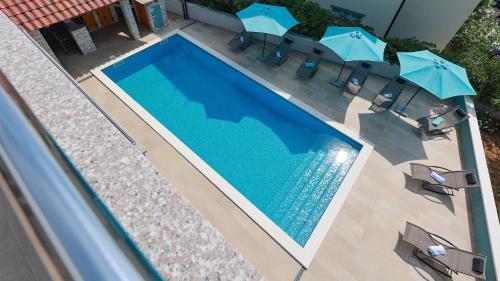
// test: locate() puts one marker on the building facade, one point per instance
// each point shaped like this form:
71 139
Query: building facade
436 21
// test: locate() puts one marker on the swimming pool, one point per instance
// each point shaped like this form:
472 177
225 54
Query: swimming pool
278 162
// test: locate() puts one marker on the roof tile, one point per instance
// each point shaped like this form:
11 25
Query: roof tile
93 5
44 21
74 12
15 20
66 4
80 10
52 8
7 12
51 19
23 7
59 16
8 3
30 15
28 26
38 3
31 5
66 14
86 7
37 24
14 10
21 18
45 11
35 14
59 6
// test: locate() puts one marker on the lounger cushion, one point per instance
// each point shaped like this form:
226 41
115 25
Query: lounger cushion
436 122
478 265
437 177
471 178
309 65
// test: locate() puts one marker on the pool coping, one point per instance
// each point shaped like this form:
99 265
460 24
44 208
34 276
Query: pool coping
303 255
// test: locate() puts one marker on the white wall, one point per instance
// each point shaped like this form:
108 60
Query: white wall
432 20
378 13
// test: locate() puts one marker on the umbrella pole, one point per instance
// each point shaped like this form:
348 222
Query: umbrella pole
416 92
341 69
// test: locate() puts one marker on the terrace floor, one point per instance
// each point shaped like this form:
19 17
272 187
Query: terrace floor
363 243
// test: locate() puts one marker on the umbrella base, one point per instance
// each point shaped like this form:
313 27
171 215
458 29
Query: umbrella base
401 110
337 83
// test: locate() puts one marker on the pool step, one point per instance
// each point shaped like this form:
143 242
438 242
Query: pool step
299 204
285 195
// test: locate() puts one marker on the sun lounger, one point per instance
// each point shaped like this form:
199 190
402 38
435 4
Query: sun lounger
453 180
389 94
454 260
438 124
310 65
241 41
280 54
357 78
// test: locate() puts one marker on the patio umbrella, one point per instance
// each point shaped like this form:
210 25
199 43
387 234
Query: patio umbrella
267 19
435 74
353 43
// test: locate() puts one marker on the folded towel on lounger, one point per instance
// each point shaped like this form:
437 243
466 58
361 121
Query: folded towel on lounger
388 95
355 81
436 250
278 54
437 177
242 38
309 65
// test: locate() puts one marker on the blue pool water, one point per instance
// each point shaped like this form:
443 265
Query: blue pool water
286 162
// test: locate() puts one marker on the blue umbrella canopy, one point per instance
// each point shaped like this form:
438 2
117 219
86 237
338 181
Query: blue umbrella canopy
267 19
435 74
353 43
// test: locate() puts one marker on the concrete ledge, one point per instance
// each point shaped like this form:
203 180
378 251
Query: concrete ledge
483 201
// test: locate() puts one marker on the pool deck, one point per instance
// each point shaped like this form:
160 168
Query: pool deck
363 243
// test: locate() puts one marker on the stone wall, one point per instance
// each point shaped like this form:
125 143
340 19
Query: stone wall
129 18
83 39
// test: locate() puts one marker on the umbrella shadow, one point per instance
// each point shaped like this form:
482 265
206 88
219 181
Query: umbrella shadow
396 140
405 252
415 186
236 99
